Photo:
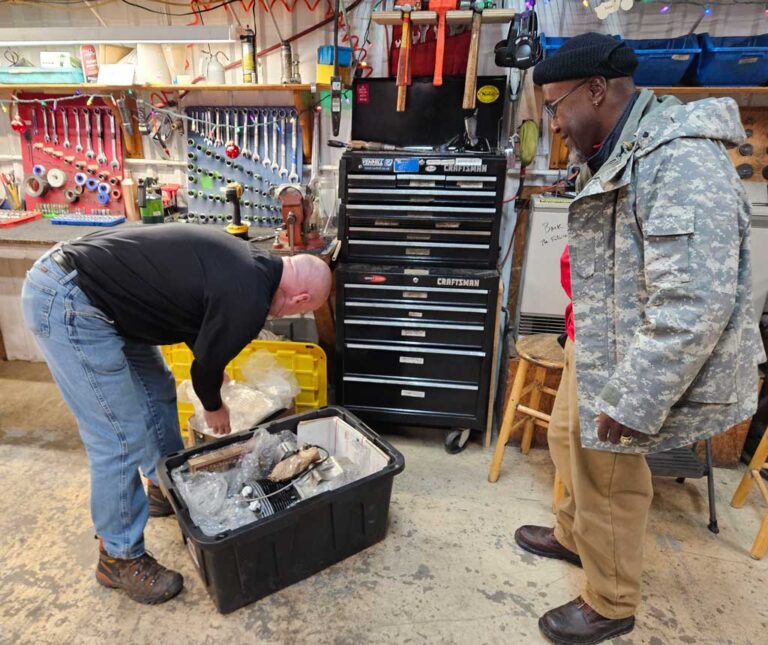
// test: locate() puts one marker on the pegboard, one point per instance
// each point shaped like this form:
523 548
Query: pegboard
269 140
753 153
69 169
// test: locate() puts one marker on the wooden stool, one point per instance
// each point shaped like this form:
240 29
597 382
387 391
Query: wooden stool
758 462
544 353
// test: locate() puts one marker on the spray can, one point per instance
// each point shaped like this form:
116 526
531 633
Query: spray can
248 45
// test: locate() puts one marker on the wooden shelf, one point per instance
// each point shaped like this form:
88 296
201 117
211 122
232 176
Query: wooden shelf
197 87
490 16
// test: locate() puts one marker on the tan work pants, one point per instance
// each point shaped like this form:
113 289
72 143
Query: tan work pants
603 514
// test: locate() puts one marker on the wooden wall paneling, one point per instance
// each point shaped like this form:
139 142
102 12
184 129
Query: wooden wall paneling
755 122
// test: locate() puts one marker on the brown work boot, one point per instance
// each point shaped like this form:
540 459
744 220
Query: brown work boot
159 506
541 540
576 623
143 579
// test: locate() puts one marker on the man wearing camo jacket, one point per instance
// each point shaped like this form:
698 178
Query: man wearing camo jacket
665 348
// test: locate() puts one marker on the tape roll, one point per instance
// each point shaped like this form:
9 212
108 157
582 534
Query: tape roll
38 170
56 178
92 184
80 179
116 194
35 186
114 181
78 190
71 196
104 188
104 198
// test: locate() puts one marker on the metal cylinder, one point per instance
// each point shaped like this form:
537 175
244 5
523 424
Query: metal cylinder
286 63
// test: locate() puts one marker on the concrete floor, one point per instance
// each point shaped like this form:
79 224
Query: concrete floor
448 571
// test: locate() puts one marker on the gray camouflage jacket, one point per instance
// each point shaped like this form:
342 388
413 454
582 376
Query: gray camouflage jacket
660 273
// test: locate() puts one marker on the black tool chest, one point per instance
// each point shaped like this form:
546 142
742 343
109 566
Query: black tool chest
417 292
438 210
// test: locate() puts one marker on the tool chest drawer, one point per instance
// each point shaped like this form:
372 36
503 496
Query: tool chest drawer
456 254
415 311
461 366
421 191
411 394
421 208
418 286
415 333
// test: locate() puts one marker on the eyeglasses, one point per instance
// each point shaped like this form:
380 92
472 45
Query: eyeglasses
551 108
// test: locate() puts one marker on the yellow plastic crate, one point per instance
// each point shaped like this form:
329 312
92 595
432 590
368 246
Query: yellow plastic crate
306 360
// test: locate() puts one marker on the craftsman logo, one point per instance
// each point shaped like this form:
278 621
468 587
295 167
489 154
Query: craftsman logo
457 282
488 94
375 279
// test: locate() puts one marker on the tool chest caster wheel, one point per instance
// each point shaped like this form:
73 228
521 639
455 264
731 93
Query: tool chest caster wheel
457 440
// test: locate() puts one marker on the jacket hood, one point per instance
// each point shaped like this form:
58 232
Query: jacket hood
715 119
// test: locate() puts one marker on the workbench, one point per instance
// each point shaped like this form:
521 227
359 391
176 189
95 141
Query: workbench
20 246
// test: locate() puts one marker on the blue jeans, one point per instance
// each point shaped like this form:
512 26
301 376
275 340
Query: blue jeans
121 392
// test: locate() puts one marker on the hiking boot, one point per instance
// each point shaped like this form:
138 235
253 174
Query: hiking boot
159 506
143 579
576 623
541 540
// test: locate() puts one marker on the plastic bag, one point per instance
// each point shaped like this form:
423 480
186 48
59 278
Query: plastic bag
265 450
294 465
333 473
262 372
247 406
207 495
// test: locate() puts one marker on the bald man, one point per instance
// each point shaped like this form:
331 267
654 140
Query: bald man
99 307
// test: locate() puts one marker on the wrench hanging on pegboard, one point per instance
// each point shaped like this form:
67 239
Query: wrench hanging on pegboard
257 147
74 163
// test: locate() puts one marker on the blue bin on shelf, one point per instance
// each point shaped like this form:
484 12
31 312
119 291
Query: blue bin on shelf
664 61
733 60
550 44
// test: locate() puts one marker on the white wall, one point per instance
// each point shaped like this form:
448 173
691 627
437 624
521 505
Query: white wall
557 17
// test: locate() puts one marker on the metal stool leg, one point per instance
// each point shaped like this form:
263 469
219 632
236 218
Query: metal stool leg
509 416
711 488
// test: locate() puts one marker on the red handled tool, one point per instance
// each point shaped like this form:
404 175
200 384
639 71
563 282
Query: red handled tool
441 7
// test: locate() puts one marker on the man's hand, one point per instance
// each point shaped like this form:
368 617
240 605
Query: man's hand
609 429
218 420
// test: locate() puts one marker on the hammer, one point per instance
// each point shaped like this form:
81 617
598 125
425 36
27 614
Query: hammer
470 80
441 7
404 58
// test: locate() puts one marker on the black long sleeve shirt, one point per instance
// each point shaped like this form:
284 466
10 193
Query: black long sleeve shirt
172 283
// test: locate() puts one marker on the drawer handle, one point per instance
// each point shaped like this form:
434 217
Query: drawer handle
412 360
414 394
414 333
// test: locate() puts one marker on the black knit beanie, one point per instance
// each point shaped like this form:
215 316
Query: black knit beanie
589 54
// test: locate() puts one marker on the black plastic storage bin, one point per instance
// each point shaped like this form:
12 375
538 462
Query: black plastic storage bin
241 566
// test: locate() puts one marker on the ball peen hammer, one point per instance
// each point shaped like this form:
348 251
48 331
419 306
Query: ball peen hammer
470 80
404 57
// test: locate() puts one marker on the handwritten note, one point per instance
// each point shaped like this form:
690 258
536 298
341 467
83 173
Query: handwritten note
553 233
